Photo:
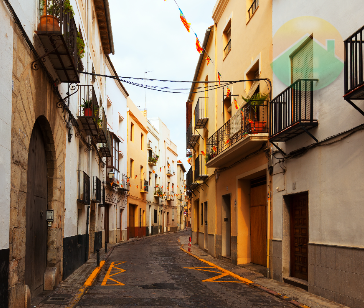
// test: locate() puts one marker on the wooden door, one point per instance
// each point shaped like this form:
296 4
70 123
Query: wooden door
131 221
106 223
36 208
121 225
258 224
299 236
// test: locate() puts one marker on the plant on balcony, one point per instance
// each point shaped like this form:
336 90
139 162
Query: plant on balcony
99 123
158 192
153 159
256 100
87 107
80 45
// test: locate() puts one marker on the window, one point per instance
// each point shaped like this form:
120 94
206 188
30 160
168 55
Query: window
252 7
131 132
150 178
155 216
227 39
201 213
131 171
141 141
172 186
113 161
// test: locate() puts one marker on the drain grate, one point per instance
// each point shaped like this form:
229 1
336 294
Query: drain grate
59 299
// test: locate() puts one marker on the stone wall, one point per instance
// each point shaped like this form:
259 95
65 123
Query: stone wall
33 100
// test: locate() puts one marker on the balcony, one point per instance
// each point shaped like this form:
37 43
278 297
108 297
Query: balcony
170 172
112 177
291 112
253 8
191 137
57 32
201 114
83 187
149 145
353 66
244 133
102 127
200 168
88 112
172 195
105 148
158 192
124 185
143 186
152 160
96 191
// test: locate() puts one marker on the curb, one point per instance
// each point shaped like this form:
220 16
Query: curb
248 282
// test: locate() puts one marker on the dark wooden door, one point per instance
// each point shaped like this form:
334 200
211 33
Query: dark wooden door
106 226
131 221
258 224
299 236
36 208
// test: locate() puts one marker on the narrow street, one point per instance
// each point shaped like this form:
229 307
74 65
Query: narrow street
155 272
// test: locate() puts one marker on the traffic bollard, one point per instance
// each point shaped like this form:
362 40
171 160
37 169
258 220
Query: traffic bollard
105 247
98 257
189 244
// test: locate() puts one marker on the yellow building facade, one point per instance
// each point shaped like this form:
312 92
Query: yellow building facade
229 180
137 169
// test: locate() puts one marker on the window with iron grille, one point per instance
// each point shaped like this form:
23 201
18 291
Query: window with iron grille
155 216
83 188
113 161
96 194
254 4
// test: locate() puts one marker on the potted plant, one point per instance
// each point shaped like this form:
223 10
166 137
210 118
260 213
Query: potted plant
87 108
99 123
49 21
80 46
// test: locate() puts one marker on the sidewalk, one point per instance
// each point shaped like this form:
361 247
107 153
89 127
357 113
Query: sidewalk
285 290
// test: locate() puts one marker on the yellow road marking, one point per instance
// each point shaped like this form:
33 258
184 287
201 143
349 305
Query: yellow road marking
213 279
109 275
244 280
86 285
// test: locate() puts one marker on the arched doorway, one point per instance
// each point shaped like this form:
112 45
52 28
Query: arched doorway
36 208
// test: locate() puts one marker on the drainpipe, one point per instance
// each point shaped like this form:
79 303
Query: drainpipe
87 239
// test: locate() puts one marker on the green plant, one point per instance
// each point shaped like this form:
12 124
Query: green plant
86 103
256 99
99 122
80 45
68 8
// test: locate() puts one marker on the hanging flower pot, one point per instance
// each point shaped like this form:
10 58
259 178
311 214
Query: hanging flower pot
87 112
49 23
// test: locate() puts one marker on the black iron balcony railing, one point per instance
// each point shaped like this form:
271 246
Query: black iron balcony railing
124 183
253 8
201 113
57 31
112 176
227 48
102 127
189 178
251 119
200 168
291 112
191 137
89 110
83 187
106 148
96 191
144 185
353 66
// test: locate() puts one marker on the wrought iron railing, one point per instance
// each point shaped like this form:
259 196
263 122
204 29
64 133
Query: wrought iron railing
83 187
102 126
189 136
88 104
200 113
56 18
96 193
189 178
197 168
293 105
200 167
106 148
250 119
227 48
353 64
152 160
253 8
144 185
125 184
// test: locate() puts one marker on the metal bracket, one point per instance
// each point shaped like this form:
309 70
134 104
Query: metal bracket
34 64
355 106
278 148
308 133
200 136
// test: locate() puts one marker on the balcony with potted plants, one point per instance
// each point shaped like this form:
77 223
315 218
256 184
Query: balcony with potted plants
89 112
242 134
158 193
152 160
63 45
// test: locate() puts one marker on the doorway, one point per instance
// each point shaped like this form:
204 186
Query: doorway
197 207
131 220
106 223
36 210
299 236
121 225
258 221
226 226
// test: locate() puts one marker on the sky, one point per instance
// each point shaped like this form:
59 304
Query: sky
149 36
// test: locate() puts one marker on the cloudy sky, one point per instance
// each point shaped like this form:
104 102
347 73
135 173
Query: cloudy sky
149 36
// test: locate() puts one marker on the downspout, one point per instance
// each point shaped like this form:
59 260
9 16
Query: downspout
87 237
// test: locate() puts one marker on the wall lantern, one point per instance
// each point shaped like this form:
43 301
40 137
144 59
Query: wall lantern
111 175
50 217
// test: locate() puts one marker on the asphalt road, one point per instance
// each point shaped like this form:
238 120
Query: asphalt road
154 272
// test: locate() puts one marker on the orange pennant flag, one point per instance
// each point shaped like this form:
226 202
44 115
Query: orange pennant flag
227 141
203 153
136 176
153 171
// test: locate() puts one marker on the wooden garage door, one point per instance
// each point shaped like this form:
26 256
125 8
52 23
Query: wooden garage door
36 208
299 236
258 221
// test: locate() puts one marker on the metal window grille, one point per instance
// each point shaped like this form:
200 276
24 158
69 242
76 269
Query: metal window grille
83 188
253 8
96 195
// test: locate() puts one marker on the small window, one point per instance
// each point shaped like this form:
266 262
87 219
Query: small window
131 132
131 172
252 7
141 141
227 39
150 178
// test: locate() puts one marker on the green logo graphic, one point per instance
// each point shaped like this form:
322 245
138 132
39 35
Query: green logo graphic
308 48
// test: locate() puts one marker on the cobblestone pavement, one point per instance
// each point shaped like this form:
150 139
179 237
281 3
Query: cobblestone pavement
155 272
